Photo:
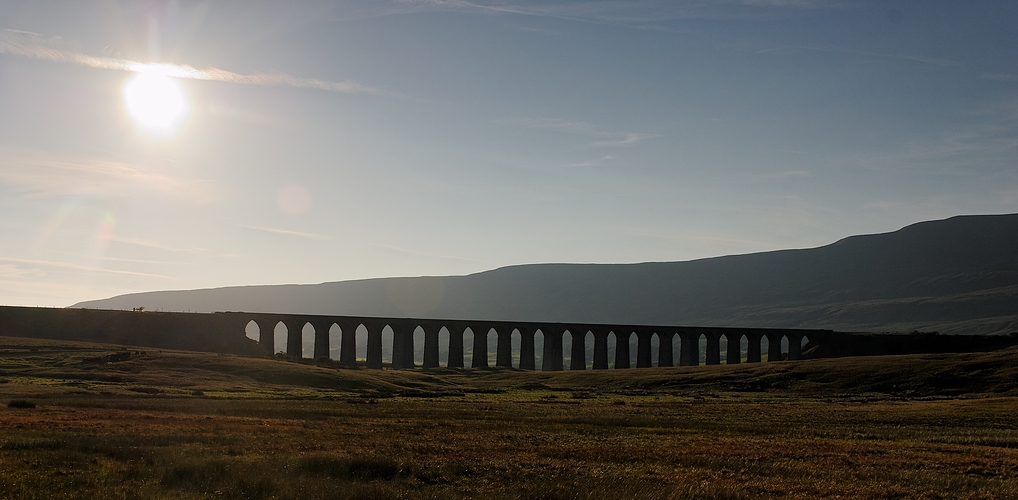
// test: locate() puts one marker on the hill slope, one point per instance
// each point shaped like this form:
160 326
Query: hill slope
958 275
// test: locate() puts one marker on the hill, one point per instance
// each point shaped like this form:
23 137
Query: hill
958 275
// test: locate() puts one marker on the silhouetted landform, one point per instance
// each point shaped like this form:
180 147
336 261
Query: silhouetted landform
192 332
958 275
226 332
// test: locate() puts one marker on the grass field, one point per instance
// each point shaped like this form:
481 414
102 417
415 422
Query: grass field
169 424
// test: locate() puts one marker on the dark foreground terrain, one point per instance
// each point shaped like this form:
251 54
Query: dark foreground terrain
96 421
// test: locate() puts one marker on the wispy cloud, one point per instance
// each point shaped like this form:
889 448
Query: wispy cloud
419 253
624 12
35 292
36 46
687 236
1001 77
932 61
626 139
604 137
800 4
772 48
152 244
78 267
989 133
42 174
145 261
557 124
766 177
882 205
786 174
980 145
288 232
597 162
11 271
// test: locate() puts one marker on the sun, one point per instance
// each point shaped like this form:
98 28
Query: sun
157 103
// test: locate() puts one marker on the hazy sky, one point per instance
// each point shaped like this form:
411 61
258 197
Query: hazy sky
322 141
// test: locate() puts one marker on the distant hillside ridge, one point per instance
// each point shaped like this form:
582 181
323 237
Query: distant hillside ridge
957 275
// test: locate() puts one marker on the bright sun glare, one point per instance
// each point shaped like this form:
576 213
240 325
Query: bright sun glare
157 103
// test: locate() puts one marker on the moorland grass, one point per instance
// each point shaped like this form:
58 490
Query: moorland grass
208 426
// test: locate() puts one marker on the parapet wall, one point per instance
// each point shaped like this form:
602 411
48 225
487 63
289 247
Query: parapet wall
186 331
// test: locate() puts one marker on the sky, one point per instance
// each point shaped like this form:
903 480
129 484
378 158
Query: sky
305 142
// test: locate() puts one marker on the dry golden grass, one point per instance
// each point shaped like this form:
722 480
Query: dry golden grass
187 425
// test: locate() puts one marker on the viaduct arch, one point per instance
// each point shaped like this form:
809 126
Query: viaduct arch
743 345
516 344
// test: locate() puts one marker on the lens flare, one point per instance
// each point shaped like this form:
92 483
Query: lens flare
156 103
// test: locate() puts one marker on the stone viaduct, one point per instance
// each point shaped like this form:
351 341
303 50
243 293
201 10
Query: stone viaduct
403 329
227 332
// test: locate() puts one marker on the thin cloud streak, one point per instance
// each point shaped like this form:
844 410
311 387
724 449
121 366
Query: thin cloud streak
786 174
557 124
608 138
43 174
32 45
686 236
35 293
418 253
300 234
626 140
1000 77
78 267
933 61
598 162
151 244
144 261
627 13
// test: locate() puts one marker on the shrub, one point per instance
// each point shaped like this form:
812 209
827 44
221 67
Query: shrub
145 390
357 467
21 403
